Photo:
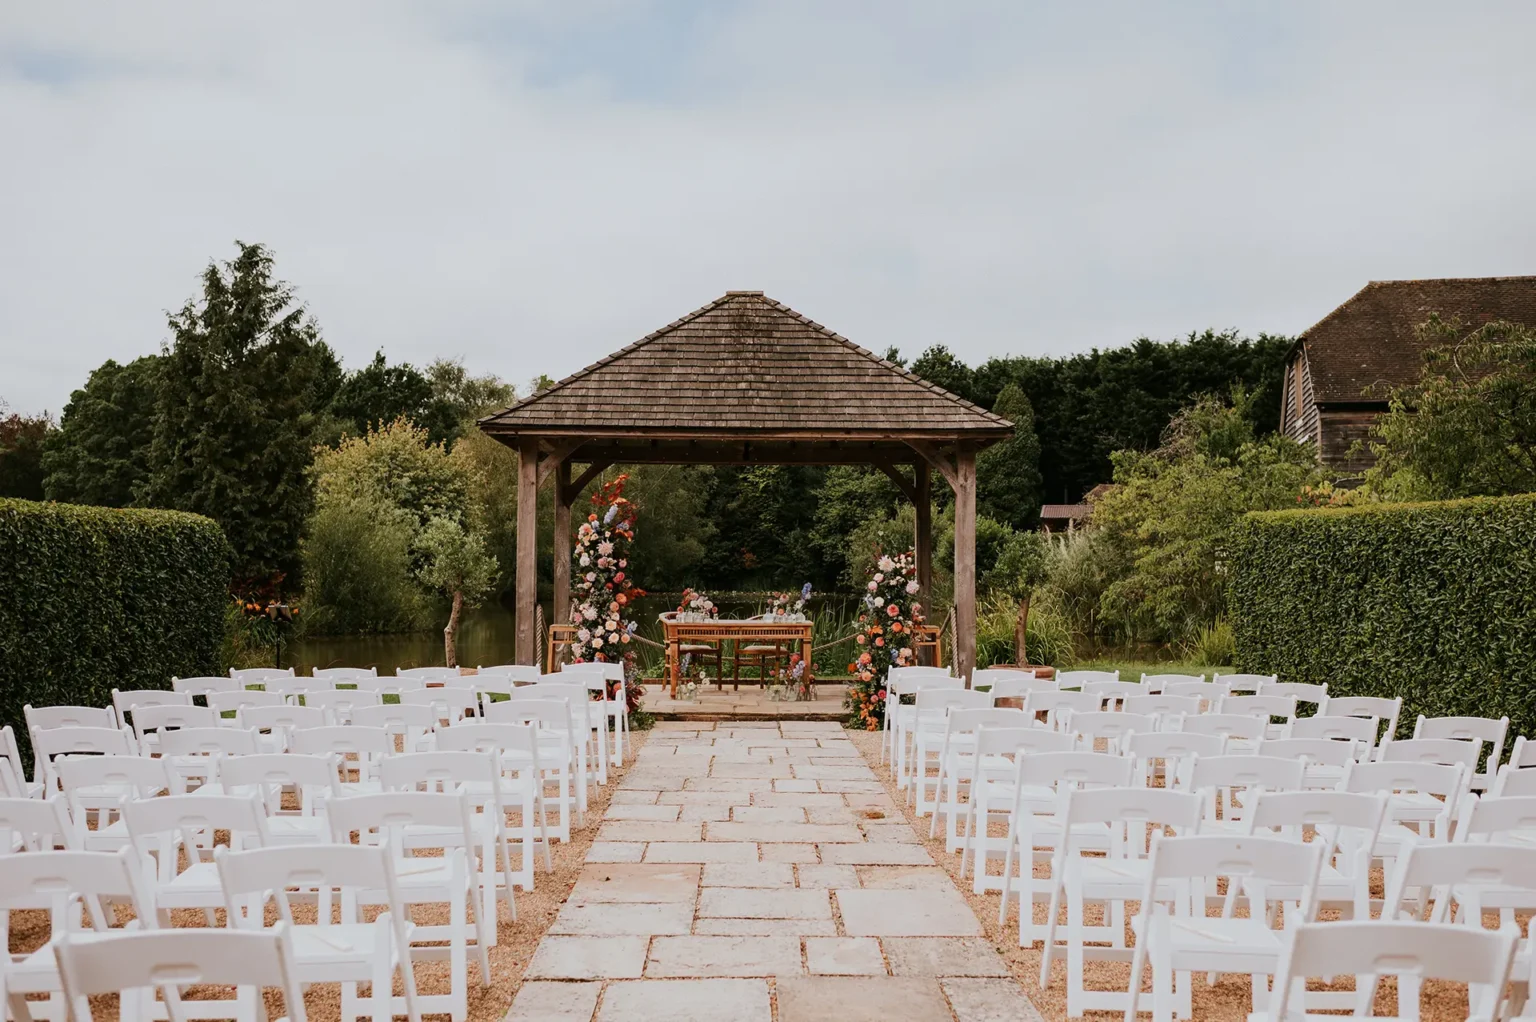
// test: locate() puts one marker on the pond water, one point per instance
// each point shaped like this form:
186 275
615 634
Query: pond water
487 636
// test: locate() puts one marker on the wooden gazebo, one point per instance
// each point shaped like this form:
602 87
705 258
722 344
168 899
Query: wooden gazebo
744 381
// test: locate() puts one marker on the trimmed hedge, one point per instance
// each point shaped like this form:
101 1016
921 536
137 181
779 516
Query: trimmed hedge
1432 602
95 598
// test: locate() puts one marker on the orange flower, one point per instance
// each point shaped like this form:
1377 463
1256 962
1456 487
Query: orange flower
895 626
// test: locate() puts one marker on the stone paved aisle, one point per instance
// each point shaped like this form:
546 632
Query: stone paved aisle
758 871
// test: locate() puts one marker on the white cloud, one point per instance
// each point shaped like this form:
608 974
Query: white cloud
531 188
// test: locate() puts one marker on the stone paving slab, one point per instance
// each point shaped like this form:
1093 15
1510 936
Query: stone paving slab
745 863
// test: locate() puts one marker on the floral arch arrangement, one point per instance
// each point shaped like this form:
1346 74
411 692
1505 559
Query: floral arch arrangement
887 636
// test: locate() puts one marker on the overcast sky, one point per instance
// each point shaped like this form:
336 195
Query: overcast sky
530 186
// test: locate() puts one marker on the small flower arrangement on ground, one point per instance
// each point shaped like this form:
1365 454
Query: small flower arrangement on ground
789 606
695 606
887 637
603 593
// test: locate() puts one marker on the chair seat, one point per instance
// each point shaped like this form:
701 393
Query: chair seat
338 944
699 647
308 829
1226 937
755 650
38 972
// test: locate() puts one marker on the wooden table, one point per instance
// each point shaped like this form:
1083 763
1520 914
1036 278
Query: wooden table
758 632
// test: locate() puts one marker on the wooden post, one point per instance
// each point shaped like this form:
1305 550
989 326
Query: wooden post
527 549
563 497
922 542
965 563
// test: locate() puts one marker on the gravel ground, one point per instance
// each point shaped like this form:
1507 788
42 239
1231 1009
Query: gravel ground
1228 1001
536 911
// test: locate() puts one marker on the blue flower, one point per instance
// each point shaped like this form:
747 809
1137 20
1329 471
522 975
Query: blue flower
633 625
805 591
613 509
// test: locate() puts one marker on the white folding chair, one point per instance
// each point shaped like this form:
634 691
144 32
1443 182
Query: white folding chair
69 741
610 708
412 723
389 685
1325 759
346 675
451 703
998 750
904 681
266 776
94 789
1305 693
928 731
13 771
232 703
48 718
150 722
1242 732
1035 827
1081 679
1165 710
526 674
1506 819
1446 751
958 764
521 785
1523 755
124 701
248 676
557 751
1111 878
1167 754
1253 684
203 686
1114 693
1370 950
1220 780
1476 730
1423 799
1277 712
1360 732
60 882
403 822
34 825
139 964
357 749
278 721
1514 780
1010 683
347 952
1385 710
340 703
1113 728
1158 683
194 753
1059 705
586 716
1345 823
439 675
1175 944
167 830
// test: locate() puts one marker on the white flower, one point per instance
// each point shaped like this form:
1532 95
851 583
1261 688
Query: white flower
605 548
879 601
873 587
879 576
585 560
886 564
911 588
591 576
597 642
590 613
583 635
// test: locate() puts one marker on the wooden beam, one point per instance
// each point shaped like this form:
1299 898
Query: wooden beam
922 540
965 563
556 457
900 479
527 581
573 489
562 603
939 460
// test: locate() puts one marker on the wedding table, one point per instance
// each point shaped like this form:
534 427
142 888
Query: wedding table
753 631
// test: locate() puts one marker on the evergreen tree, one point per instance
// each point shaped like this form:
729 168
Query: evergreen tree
243 388
939 365
100 453
21 453
380 393
1008 473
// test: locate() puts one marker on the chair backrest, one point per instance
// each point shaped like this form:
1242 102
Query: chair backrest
1254 683
552 714
43 718
343 701
1133 814
1380 707
35 824
165 960
936 702
608 669
1078 679
1160 682
159 826
519 739
1322 751
1432 750
124 701
1498 816
110 776
210 741
260 675
966 720
13 772
1228 725
897 676
345 675
1021 739
1058 704
1523 755
1361 731
1215 778
55 878
383 818
452 700
224 702
298 686
342 740
527 674
285 716
1304 692
1109 725
439 770
1010 684
1446 781
1467 729
1264 706
390 684
267 775
1163 706
487 685
1513 780
163 718
203 686
1433 871
1369 950
102 741
1146 745
1076 770
397 718
1253 857
439 674
1116 689
1347 822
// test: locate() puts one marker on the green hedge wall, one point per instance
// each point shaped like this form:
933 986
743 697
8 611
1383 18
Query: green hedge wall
94 598
1432 602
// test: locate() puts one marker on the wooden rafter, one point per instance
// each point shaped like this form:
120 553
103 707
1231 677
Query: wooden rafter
899 477
561 450
945 463
580 482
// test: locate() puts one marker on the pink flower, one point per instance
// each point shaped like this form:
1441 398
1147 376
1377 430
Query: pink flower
893 610
911 588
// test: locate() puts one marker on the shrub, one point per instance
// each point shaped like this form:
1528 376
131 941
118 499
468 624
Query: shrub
357 571
1435 603
93 599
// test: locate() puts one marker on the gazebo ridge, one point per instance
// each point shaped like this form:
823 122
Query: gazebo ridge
746 380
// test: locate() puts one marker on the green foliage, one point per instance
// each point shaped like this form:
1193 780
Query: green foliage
1008 474
1433 602
1048 638
1090 405
1081 567
100 454
22 438
1021 567
763 518
396 466
1172 513
670 499
1467 427
454 561
1213 646
939 365
380 393
849 496
243 388
93 599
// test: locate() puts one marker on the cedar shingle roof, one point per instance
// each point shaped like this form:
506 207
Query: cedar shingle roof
1371 341
746 365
